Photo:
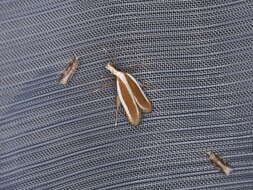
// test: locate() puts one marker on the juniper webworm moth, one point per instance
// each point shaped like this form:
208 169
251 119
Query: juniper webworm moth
130 95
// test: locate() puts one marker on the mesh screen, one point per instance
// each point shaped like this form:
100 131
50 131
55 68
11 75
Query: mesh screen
197 58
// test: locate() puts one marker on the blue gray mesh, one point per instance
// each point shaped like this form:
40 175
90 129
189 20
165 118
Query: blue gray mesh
197 60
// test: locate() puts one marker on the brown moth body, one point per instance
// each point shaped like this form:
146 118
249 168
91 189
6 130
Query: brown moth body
69 71
219 162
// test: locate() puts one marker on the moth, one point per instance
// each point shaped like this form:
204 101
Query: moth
219 162
69 71
130 95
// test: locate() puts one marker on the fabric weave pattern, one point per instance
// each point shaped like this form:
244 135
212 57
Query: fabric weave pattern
198 61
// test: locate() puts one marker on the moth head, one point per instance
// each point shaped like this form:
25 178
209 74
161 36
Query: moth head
111 68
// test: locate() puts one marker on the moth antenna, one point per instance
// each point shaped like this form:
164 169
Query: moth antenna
117 109
104 86
110 55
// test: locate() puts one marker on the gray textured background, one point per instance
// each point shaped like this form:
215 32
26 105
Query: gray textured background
199 61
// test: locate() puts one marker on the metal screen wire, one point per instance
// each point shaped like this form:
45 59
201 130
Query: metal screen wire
196 58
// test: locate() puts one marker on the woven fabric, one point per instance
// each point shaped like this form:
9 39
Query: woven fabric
197 59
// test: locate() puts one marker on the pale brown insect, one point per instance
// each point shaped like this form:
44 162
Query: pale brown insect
69 71
219 162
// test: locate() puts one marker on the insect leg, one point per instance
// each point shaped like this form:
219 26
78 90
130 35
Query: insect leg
104 86
106 75
145 84
131 69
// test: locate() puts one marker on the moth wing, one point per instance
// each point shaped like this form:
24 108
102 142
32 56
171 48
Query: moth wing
140 98
128 102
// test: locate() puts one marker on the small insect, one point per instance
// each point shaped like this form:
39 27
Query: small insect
130 95
219 162
69 71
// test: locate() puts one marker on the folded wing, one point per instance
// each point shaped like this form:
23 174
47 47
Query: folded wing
128 102
140 98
